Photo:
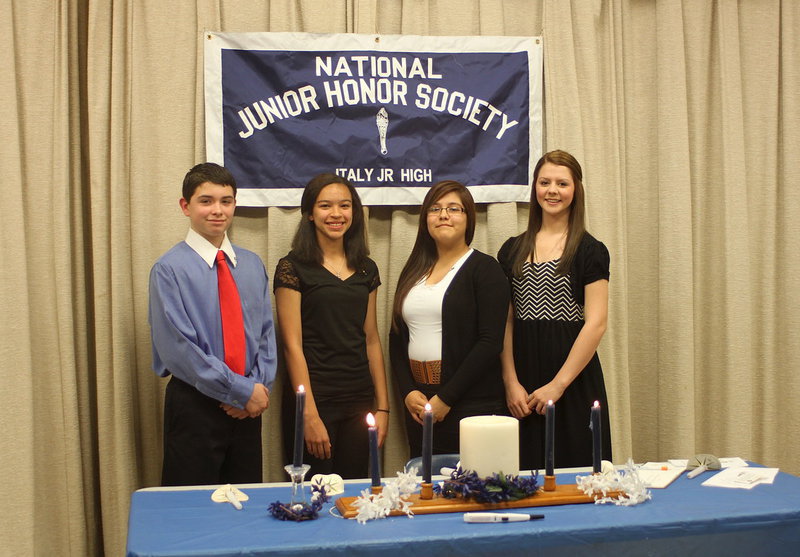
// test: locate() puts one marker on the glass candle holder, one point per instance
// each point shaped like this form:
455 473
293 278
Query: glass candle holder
297 474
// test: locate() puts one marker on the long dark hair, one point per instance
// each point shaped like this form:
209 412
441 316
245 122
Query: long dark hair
424 254
305 245
576 226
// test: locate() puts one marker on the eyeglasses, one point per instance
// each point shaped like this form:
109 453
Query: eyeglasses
452 210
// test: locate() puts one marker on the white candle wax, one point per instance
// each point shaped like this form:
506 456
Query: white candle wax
490 444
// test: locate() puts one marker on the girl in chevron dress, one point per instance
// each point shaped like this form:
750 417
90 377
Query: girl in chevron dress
557 316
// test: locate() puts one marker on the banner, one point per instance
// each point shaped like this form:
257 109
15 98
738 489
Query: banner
392 114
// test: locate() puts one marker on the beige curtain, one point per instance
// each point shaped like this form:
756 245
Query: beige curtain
683 113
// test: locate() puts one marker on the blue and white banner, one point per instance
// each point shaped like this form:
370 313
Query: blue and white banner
393 114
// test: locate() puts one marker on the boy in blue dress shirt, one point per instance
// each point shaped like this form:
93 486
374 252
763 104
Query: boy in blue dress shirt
212 414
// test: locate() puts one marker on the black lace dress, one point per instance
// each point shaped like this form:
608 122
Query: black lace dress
332 313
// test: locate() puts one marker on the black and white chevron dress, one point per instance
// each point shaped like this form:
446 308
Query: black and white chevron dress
548 316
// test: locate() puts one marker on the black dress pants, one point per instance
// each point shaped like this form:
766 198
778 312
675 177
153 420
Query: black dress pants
205 446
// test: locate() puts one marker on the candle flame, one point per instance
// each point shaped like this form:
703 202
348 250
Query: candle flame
370 420
427 406
301 389
549 403
597 404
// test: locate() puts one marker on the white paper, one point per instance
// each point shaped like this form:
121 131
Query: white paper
658 475
733 462
742 478
729 462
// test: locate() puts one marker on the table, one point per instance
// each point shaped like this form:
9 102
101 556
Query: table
683 519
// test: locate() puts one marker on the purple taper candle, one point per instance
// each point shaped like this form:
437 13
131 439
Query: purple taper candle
549 437
597 449
427 444
299 425
374 463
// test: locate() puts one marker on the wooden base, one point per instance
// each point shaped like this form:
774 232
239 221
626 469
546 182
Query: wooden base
549 483
561 495
426 491
375 489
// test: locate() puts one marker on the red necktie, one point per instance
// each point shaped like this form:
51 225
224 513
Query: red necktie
230 309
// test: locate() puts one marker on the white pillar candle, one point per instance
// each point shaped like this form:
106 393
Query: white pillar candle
490 444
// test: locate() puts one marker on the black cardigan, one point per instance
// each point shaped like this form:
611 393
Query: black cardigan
474 314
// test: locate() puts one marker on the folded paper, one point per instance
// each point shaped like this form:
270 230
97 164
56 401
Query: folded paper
229 494
333 483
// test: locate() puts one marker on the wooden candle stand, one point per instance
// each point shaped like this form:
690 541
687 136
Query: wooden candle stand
426 491
559 495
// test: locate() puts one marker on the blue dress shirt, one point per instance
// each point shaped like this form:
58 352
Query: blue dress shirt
185 321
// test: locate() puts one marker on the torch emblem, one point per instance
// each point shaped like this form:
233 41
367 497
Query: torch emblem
382 121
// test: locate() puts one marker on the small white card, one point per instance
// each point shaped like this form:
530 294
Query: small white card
742 478
730 462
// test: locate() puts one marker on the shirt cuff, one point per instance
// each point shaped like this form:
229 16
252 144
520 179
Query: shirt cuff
241 390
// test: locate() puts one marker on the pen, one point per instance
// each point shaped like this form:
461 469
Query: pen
697 471
477 518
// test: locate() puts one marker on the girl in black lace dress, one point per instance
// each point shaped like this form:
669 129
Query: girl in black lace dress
559 308
325 292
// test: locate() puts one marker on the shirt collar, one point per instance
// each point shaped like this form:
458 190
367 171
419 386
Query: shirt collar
207 250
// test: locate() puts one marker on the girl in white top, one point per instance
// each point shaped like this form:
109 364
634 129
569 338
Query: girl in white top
448 321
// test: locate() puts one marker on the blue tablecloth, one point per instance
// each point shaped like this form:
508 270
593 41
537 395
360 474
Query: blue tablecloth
683 519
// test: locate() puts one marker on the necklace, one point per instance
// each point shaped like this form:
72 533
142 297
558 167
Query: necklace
337 272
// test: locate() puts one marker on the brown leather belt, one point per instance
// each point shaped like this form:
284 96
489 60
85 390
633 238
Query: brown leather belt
429 372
